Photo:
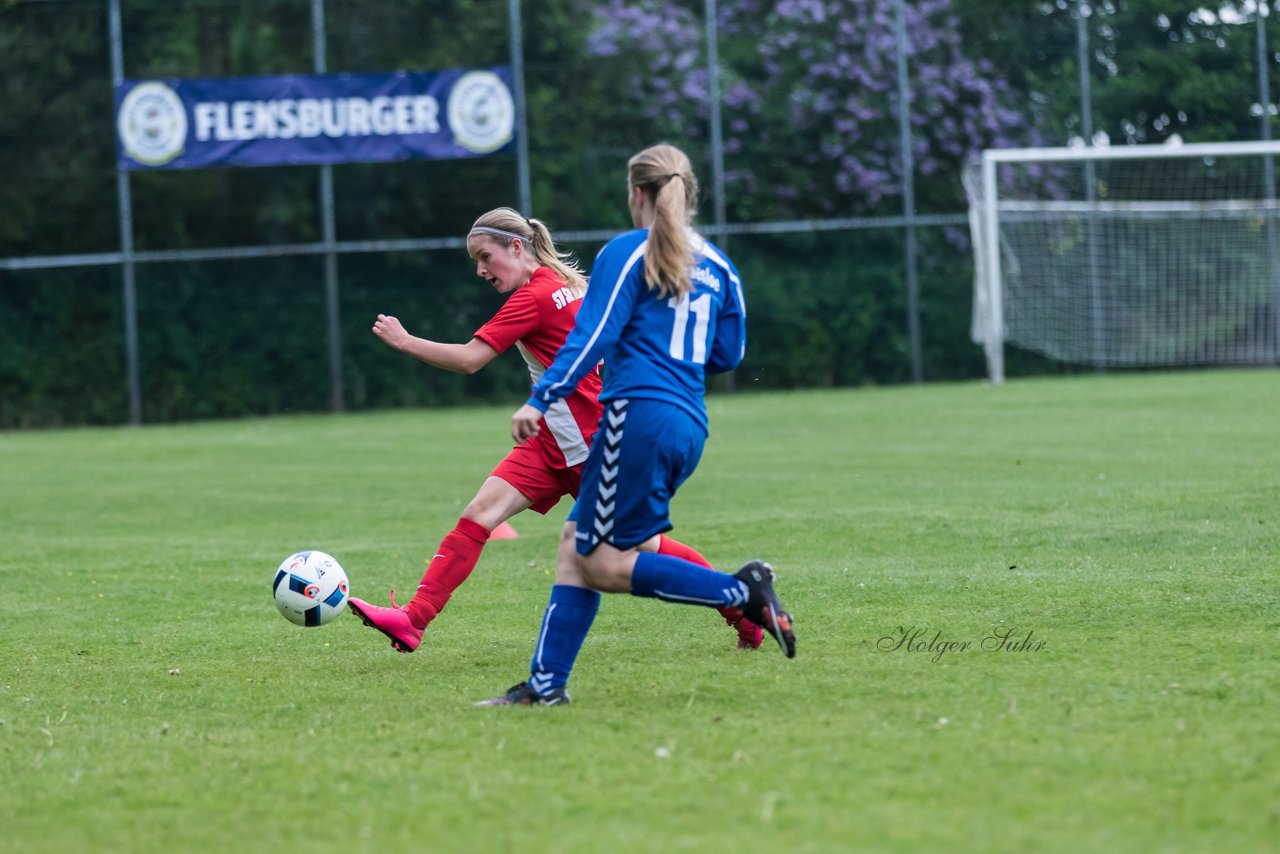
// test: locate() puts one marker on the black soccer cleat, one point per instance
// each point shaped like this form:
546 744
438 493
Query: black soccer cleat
762 606
523 695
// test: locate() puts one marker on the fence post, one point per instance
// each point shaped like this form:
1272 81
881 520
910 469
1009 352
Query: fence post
908 198
331 296
1268 174
711 37
127 266
1083 12
516 24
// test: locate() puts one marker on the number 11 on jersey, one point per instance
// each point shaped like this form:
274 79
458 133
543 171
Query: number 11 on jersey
701 308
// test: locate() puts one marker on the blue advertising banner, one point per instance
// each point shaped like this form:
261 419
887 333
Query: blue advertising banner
311 119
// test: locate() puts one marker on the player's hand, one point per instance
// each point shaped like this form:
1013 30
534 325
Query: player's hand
524 424
390 331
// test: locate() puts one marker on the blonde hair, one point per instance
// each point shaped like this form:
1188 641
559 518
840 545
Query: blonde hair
668 258
505 225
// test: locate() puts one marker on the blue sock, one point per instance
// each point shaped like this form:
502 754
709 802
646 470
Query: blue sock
673 579
564 627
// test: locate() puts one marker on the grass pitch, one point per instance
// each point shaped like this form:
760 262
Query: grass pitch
1038 617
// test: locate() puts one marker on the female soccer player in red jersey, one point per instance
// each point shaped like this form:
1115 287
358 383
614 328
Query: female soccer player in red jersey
518 257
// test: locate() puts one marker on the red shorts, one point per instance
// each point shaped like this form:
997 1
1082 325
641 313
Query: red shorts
527 470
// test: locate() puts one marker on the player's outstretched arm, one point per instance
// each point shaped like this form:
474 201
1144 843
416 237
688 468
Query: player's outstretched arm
460 358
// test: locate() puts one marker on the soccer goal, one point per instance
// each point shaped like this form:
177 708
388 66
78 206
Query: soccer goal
1127 256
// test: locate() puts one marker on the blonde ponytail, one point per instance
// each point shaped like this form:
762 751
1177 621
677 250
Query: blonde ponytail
664 174
562 262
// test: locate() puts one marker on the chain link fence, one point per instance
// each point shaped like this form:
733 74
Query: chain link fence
239 291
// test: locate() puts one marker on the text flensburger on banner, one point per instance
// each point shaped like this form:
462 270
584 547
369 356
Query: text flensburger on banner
313 119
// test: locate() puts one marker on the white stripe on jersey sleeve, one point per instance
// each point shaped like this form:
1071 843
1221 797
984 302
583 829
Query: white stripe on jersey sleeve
709 252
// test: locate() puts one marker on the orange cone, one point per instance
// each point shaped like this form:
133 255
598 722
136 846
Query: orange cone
503 532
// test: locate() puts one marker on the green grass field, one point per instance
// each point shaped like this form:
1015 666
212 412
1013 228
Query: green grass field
151 698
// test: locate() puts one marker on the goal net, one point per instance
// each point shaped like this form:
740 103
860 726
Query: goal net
1130 256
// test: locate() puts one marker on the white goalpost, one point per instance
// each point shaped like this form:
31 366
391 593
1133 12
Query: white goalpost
1127 256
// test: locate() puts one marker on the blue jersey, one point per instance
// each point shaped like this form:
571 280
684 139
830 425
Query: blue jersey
657 348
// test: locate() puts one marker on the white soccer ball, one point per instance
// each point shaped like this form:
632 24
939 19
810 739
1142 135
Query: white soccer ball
310 588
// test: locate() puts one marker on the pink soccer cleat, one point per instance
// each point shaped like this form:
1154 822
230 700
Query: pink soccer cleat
392 622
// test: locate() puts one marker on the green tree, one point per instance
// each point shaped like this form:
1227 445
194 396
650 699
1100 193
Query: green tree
1189 71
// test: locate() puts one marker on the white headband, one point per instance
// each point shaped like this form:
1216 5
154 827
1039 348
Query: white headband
510 235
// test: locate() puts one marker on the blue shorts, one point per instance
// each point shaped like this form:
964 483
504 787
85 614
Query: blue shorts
645 449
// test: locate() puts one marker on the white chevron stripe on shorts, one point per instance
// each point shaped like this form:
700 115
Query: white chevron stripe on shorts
615 415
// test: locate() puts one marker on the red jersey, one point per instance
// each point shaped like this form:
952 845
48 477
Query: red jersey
537 318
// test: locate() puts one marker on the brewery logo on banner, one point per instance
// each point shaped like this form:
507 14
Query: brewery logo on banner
296 119
152 124
481 112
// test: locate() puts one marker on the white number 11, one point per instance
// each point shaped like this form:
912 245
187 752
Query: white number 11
701 317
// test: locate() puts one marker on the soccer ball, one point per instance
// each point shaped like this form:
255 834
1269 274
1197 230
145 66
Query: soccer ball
310 588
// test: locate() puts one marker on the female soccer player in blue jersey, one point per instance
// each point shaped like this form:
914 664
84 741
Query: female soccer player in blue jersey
663 308
517 257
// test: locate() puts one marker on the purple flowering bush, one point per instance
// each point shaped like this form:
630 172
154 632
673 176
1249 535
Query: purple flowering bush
809 98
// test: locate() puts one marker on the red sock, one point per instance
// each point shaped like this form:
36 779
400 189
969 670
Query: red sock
675 548
452 563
